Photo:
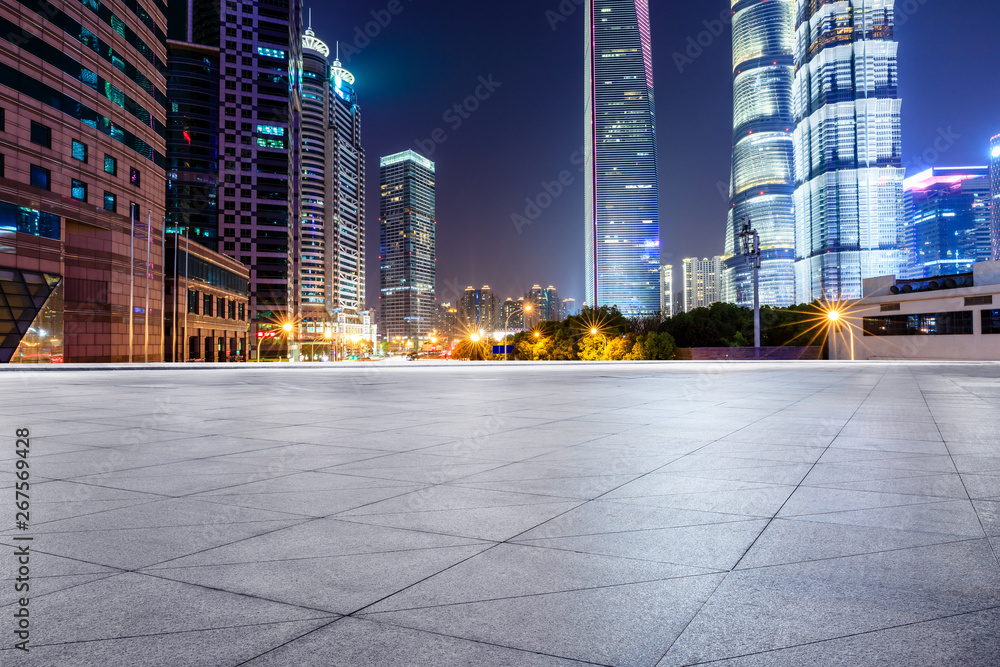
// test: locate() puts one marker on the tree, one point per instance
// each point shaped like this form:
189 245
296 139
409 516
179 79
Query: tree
653 346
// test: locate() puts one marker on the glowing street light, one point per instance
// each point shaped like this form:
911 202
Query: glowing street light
474 338
287 326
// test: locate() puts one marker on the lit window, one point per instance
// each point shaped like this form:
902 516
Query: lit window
110 202
78 190
270 53
79 150
110 165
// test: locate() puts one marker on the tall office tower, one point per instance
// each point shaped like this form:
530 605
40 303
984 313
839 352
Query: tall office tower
479 309
260 56
314 261
667 291
761 187
568 308
995 194
701 282
550 304
192 202
330 262
947 225
848 166
407 249
622 209
82 140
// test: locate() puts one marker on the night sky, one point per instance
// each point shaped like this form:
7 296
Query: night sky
431 56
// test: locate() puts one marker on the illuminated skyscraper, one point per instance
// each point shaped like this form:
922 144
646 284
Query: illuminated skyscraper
407 249
667 291
478 309
995 194
947 227
848 167
701 282
761 187
622 210
331 294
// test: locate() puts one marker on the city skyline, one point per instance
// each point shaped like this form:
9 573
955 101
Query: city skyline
477 200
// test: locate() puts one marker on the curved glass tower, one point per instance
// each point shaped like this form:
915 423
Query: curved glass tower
622 207
330 241
848 162
761 187
314 262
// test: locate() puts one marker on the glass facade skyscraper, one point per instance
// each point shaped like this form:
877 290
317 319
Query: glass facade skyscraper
622 208
233 143
848 162
407 249
330 242
995 194
761 187
947 227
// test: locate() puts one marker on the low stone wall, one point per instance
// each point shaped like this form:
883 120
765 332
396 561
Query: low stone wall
784 353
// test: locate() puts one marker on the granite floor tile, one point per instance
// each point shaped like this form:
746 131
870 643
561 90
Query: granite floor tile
575 624
350 642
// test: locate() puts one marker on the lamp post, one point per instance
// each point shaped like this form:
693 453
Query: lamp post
506 324
835 317
595 332
289 330
750 242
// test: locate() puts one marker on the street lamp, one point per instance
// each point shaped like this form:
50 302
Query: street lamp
506 325
835 317
595 332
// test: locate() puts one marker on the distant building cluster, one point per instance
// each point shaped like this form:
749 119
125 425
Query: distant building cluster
481 310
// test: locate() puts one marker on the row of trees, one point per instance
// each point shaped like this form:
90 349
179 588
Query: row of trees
606 334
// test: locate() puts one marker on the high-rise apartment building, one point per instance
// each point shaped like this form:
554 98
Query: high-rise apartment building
82 181
550 305
479 309
330 263
995 194
622 236
848 158
233 167
762 186
701 282
947 225
568 308
407 249
511 316
667 290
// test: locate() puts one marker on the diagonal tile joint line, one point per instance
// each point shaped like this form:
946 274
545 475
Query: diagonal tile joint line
771 520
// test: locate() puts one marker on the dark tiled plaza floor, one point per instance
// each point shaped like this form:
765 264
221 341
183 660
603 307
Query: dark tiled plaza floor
403 514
